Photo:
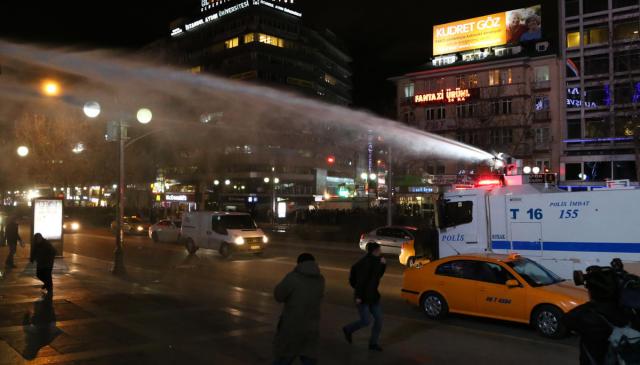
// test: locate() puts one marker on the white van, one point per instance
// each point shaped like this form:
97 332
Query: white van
226 232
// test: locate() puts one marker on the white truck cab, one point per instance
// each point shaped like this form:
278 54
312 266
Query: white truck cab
226 232
564 231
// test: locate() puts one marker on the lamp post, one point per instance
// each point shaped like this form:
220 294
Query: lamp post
117 131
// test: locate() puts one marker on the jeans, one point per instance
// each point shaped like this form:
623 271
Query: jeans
12 252
288 361
44 274
363 310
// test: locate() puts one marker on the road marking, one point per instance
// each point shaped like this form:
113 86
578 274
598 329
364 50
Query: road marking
286 261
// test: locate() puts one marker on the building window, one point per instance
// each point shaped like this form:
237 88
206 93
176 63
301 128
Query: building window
541 136
473 81
501 136
626 61
506 77
592 6
597 170
330 79
599 35
429 114
597 128
574 129
626 31
249 38
441 112
573 39
594 65
494 77
624 3
572 8
271 40
541 103
543 164
541 73
409 90
624 170
465 110
501 106
461 81
435 113
231 43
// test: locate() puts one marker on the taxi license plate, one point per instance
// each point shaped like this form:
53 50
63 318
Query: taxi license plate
256 247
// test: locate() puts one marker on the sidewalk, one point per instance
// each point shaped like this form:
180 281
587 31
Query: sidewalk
159 317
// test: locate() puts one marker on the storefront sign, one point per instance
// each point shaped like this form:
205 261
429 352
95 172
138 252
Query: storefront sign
456 95
176 198
421 189
487 31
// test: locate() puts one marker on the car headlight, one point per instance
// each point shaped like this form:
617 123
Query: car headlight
265 239
64 226
239 241
140 228
75 226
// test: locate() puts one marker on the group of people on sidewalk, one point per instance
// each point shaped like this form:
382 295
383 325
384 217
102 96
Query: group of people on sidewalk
302 290
42 253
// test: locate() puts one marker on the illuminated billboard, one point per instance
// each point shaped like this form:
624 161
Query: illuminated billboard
47 218
514 26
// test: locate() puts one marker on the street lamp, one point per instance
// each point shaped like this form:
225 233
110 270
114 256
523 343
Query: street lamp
50 88
227 182
92 110
216 182
144 116
372 176
266 180
276 181
23 151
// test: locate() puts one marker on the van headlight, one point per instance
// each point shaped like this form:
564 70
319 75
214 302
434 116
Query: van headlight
239 241
140 228
265 239
75 226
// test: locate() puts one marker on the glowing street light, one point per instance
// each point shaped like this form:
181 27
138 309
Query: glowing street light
527 169
227 182
266 180
535 170
91 109
372 176
78 148
216 182
23 151
144 116
50 88
364 175
276 181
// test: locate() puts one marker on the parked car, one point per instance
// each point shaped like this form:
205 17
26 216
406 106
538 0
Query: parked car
132 225
165 231
226 232
390 238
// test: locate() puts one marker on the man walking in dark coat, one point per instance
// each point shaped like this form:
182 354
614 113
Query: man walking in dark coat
298 334
43 253
12 237
365 278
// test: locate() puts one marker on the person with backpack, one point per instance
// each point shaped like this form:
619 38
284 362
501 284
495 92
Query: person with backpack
298 333
602 323
365 278
43 253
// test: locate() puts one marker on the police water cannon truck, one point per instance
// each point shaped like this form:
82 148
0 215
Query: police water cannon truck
529 215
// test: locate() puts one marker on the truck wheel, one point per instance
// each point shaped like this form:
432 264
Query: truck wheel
547 320
191 247
154 237
434 305
225 250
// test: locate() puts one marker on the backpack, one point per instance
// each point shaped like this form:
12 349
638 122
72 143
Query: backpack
624 345
353 275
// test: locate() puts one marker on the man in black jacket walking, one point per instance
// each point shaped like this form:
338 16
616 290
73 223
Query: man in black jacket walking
43 253
12 237
365 278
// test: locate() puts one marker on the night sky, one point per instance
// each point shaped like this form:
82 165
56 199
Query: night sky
384 38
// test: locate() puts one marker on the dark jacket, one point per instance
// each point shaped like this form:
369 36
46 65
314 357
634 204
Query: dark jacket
594 331
11 233
367 273
43 253
301 291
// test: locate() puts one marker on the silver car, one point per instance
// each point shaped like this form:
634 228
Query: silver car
165 231
390 238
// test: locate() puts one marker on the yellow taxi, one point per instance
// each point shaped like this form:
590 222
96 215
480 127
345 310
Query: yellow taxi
505 287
